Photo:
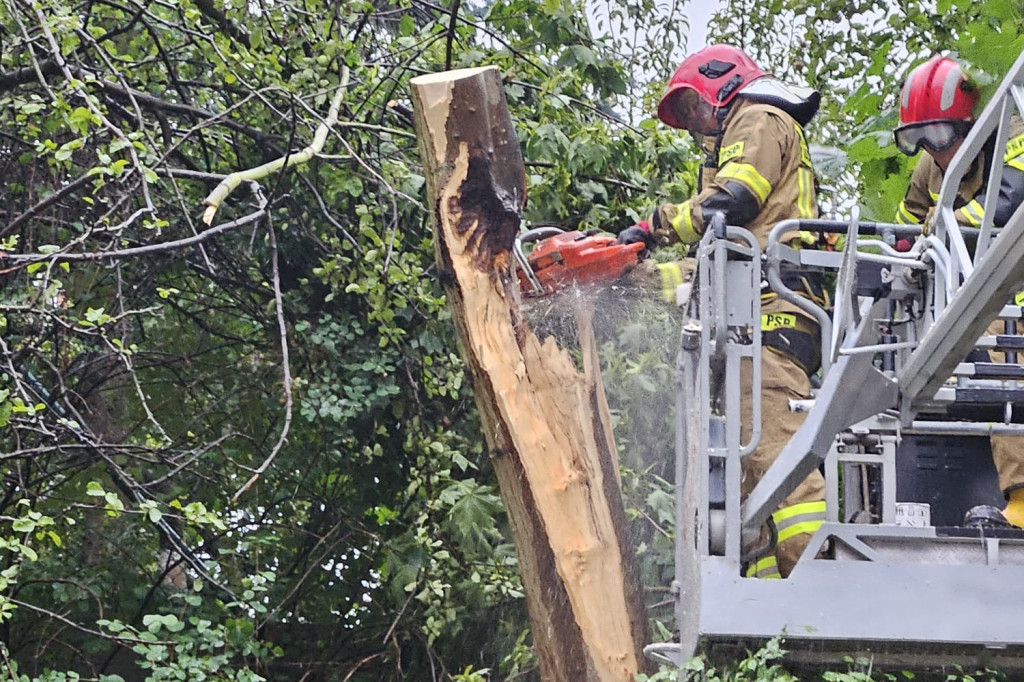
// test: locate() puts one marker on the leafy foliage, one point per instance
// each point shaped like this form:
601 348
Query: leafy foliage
857 54
249 451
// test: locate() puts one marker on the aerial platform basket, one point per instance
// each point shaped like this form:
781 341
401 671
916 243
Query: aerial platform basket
910 596
900 424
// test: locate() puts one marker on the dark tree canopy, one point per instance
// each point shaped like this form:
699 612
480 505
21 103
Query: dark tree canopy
236 436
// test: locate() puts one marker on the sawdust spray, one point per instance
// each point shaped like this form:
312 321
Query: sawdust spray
637 334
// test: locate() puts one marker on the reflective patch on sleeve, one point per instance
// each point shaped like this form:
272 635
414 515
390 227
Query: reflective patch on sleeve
726 154
808 238
682 223
1019 299
747 175
671 279
1015 153
805 153
773 321
934 196
905 217
973 212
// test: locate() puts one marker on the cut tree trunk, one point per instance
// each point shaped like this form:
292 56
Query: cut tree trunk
547 424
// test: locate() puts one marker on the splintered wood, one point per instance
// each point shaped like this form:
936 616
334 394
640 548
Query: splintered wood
547 423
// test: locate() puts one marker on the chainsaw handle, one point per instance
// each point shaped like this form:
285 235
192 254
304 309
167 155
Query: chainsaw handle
532 235
537 233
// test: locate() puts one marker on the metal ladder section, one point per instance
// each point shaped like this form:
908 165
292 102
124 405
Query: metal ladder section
893 367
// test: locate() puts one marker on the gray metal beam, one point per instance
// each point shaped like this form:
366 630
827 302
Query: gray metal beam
868 600
852 391
974 306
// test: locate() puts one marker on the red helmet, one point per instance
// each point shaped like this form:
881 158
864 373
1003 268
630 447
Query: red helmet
937 90
717 74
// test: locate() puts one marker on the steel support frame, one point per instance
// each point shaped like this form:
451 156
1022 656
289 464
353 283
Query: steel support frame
867 601
794 605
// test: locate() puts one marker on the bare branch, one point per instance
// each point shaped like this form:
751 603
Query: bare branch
451 35
91 104
121 254
148 101
230 28
46 201
81 628
285 369
232 181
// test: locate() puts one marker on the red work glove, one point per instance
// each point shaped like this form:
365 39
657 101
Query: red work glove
641 232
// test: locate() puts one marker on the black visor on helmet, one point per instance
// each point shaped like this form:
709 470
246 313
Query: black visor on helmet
935 136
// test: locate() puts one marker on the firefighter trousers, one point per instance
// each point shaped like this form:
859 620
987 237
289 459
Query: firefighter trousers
803 511
1007 451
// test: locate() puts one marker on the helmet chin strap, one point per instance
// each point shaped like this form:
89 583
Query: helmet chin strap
711 160
721 113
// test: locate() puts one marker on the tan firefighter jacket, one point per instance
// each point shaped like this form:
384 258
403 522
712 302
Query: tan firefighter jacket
968 206
764 151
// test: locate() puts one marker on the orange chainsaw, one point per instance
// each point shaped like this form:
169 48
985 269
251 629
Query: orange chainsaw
562 258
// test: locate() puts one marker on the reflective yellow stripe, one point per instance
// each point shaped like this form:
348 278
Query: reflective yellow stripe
934 196
772 321
682 223
671 279
905 217
1014 150
816 507
796 519
805 153
808 238
748 175
973 212
805 201
764 568
730 152
798 528
1019 298
1015 153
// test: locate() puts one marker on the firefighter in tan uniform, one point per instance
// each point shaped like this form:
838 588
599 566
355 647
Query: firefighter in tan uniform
758 172
937 105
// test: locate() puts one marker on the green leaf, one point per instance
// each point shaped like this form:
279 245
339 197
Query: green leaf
406 25
23 525
95 314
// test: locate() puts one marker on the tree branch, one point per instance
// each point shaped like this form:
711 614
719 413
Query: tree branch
451 35
96 633
285 369
28 74
152 102
232 181
229 27
120 254
47 201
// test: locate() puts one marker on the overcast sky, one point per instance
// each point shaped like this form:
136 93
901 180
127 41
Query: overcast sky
699 12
